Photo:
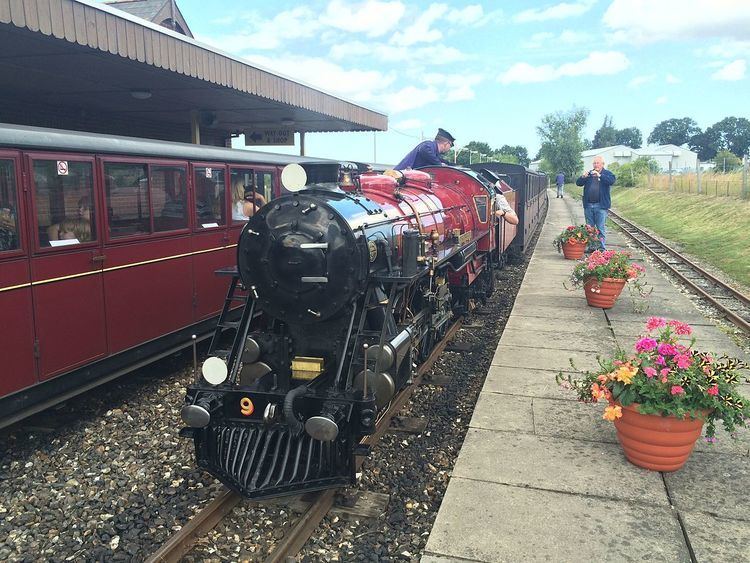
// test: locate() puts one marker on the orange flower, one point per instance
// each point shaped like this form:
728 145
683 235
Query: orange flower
626 373
612 412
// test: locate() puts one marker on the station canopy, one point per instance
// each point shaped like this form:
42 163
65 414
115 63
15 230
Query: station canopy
79 64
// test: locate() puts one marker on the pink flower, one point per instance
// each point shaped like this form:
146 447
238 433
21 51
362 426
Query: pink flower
680 328
713 390
664 372
645 345
649 371
655 322
667 350
684 361
660 360
677 390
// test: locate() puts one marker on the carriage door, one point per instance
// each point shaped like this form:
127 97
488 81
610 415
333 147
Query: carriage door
16 318
66 267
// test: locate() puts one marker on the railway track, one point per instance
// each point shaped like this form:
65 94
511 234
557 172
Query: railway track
734 305
205 520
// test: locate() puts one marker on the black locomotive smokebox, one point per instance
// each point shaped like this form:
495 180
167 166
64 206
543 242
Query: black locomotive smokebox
301 258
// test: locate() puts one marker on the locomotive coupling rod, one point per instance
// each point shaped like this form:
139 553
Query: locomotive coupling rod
364 379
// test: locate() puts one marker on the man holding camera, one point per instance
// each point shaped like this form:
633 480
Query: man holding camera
596 199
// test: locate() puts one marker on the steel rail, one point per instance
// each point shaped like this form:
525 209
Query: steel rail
628 227
177 546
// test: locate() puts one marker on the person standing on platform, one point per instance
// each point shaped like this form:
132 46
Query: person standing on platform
596 198
427 153
560 181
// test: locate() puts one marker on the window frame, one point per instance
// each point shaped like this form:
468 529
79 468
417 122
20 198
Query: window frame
197 227
148 162
19 177
30 158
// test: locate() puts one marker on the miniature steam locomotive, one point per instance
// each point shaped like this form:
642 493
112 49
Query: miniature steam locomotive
351 280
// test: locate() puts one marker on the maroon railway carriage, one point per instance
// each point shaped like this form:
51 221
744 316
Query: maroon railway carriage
355 279
108 247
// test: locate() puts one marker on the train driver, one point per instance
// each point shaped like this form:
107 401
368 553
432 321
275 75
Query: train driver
504 210
427 153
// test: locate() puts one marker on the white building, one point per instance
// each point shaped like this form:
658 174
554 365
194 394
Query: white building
682 160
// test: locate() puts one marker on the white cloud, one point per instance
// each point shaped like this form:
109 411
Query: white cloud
640 80
732 71
455 87
661 100
646 21
672 79
371 18
421 30
470 15
408 124
727 49
556 12
537 40
595 64
572 37
410 97
436 54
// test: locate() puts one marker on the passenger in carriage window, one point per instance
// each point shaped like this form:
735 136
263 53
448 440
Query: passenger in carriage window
244 202
504 210
78 228
8 229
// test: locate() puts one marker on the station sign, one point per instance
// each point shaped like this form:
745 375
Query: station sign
269 137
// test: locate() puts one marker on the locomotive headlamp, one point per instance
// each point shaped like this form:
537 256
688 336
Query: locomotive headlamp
214 370
346 179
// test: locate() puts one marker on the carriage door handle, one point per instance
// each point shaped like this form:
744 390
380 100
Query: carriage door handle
99 259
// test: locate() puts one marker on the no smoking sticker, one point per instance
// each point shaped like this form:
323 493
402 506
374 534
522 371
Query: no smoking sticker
62 167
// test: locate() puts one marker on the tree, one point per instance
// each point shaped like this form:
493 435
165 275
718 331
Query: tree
706 144
726 161
464 159
562 143
631 137
519 151
605 135
632 173
674 131
733 134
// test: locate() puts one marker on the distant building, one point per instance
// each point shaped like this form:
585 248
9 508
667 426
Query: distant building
161 12
534 165
682 160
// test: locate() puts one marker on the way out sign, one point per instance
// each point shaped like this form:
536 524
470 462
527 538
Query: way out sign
269 137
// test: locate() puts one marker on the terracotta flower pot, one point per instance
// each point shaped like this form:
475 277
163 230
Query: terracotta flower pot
573 249
659 443
603 294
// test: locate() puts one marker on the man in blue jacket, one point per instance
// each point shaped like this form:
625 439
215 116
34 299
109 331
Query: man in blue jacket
427 153
596 198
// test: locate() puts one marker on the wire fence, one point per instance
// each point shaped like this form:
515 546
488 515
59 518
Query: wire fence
732 184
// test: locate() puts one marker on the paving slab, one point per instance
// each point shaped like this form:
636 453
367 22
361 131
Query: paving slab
524 382
592 340
556 464
574 420
583 314
717 540
715 483
520 524
510 413
542 358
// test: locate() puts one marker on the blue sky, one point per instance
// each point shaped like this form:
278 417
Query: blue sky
490 71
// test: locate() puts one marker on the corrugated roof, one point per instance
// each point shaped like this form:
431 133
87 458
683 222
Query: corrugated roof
142 45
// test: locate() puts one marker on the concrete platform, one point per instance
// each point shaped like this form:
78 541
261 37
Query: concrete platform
541 476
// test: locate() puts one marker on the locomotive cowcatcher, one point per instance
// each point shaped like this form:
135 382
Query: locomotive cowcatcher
350 280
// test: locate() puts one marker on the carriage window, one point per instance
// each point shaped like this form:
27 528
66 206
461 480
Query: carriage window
210 207
64 196
128 210
246 196
481 203
169 197
264 185
9 239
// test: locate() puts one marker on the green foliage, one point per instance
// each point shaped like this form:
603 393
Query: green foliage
605 136
633 173
562 142
630 137
602 264
481 152
667 377
674 132
725 161
581 234
518 151
733 134
706 144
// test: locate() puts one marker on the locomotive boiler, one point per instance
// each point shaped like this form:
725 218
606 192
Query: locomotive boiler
351 280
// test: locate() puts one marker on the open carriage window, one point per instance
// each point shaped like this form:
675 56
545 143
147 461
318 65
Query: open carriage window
64 198
169 197
210 203
127 198
9 238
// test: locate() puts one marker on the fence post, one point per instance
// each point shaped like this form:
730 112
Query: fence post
698 176
745 162
670 175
